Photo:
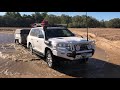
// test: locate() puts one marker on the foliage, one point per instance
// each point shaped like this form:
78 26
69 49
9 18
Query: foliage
15 19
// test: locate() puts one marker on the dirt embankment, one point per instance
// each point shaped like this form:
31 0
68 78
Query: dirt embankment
107 33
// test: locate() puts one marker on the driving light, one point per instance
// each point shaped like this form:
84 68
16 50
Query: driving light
77 47
60 45
91 45
92 42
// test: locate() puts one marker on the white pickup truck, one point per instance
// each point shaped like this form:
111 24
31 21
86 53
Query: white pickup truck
58 41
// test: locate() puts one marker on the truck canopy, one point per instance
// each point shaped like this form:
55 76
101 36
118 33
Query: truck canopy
22 31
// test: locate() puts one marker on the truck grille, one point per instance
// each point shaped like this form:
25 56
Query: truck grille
82 47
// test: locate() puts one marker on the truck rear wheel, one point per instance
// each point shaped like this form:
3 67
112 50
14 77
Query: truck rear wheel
17 41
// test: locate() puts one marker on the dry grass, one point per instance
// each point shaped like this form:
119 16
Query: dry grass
112 34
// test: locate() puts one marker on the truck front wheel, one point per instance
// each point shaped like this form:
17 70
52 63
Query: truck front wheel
31 48
50 59
17 41
85 60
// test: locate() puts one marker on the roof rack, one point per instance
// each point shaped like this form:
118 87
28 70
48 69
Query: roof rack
44 23
49 25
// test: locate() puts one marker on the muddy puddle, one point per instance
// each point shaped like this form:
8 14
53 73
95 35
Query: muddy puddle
8 50
17 61
6 38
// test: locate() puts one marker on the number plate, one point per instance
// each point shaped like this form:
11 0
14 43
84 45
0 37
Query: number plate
86 54
83 54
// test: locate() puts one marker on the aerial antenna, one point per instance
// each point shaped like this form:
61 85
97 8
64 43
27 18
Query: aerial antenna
87 25
35 18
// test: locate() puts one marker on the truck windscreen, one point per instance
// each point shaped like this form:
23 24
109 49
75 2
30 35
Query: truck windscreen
52 33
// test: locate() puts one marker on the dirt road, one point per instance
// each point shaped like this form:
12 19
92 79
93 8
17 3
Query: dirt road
13 66
17 62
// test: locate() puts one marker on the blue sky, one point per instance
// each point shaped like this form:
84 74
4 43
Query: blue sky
97 15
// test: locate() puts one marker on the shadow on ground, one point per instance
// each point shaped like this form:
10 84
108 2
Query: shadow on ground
95 68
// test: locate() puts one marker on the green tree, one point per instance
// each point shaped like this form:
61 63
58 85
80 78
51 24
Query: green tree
92 22
114 23
44 14
102 24
53 19
65 19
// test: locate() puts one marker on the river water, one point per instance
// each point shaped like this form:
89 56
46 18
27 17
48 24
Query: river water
6 38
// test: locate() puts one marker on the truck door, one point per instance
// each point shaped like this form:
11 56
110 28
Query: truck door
32 38
40 41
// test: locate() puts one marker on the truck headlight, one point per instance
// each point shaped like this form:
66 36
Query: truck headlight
64 45
60 45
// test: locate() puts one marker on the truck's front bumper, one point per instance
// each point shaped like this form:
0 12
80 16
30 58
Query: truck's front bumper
75 55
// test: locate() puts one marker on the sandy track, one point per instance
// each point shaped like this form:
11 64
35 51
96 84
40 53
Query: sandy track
34 67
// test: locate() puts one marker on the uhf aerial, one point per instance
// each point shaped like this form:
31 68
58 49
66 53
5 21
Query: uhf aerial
87 26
